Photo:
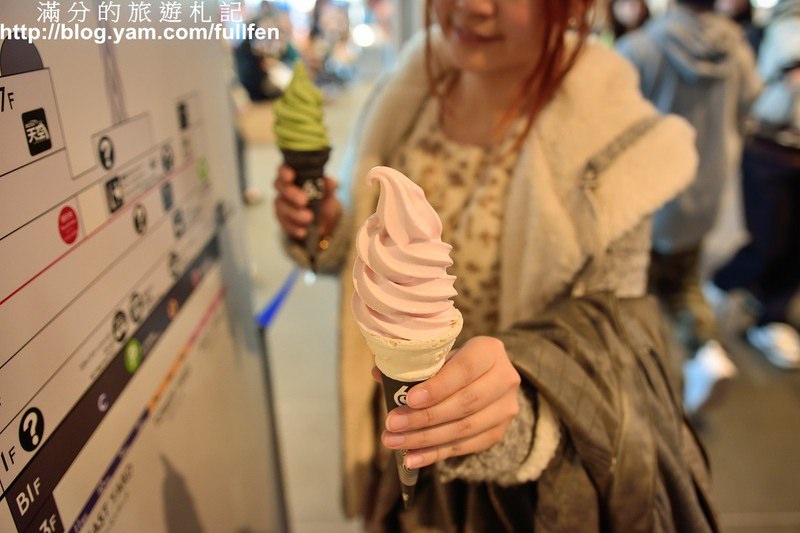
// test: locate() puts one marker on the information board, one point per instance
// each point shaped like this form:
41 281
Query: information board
130 399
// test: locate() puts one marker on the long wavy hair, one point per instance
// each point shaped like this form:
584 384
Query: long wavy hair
554 62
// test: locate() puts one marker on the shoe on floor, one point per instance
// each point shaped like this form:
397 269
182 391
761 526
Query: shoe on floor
779 342
703 375
715 296
252 196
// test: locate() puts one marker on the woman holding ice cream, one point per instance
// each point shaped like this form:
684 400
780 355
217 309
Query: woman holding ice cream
544 164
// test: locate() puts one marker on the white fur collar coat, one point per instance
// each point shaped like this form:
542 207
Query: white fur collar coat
554 223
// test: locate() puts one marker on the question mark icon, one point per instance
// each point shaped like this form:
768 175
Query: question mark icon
31 429
105 149
29 423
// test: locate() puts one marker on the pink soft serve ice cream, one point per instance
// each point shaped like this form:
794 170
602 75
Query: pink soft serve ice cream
402 300
402 288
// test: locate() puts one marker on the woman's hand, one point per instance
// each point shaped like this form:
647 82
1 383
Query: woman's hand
291 206
793 78
465 408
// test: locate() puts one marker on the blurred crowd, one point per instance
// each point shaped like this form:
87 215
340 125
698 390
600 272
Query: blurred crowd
737 82
326 37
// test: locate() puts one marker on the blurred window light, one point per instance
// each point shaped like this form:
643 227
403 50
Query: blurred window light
764 4
657 7
363 35
305 6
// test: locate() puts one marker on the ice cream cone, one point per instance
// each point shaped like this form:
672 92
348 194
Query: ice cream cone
402 299
303 139
309 168
404 363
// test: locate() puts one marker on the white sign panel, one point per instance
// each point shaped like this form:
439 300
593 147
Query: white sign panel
127 402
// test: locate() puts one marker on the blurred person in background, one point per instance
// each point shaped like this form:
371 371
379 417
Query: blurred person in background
545 165
255 58
331 53
741 12
768 267
695 63
260 68
251 70
627 15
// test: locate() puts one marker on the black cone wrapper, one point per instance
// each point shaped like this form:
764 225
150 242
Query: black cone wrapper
309 168
394 392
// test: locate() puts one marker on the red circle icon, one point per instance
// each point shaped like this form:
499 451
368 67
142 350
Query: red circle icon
68 225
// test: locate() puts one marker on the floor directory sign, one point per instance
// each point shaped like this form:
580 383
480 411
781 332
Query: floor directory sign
126 403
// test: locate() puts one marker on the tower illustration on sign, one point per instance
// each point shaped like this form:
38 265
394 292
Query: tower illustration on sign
113 79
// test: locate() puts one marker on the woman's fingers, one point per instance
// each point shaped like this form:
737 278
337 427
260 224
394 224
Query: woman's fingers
476 396
294 221
299 217
465 408
291 193
464 367
286 174
497 413
329 214
286 187
331 185
474 444
295 232
291 205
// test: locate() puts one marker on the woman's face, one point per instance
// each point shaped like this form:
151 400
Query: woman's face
732 8
629 13
491 36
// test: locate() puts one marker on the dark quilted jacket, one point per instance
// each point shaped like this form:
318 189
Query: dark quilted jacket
628 461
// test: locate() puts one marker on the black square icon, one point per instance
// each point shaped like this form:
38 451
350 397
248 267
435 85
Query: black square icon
114 194
183 115
36 131
167 196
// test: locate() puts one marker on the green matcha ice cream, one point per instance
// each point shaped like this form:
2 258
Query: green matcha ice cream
298 115
303 140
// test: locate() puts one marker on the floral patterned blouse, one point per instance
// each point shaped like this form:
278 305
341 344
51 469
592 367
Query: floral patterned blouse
466 184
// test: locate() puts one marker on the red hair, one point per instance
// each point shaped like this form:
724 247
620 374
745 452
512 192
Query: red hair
554 62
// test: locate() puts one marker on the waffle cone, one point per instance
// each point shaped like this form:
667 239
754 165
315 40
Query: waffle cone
412 360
